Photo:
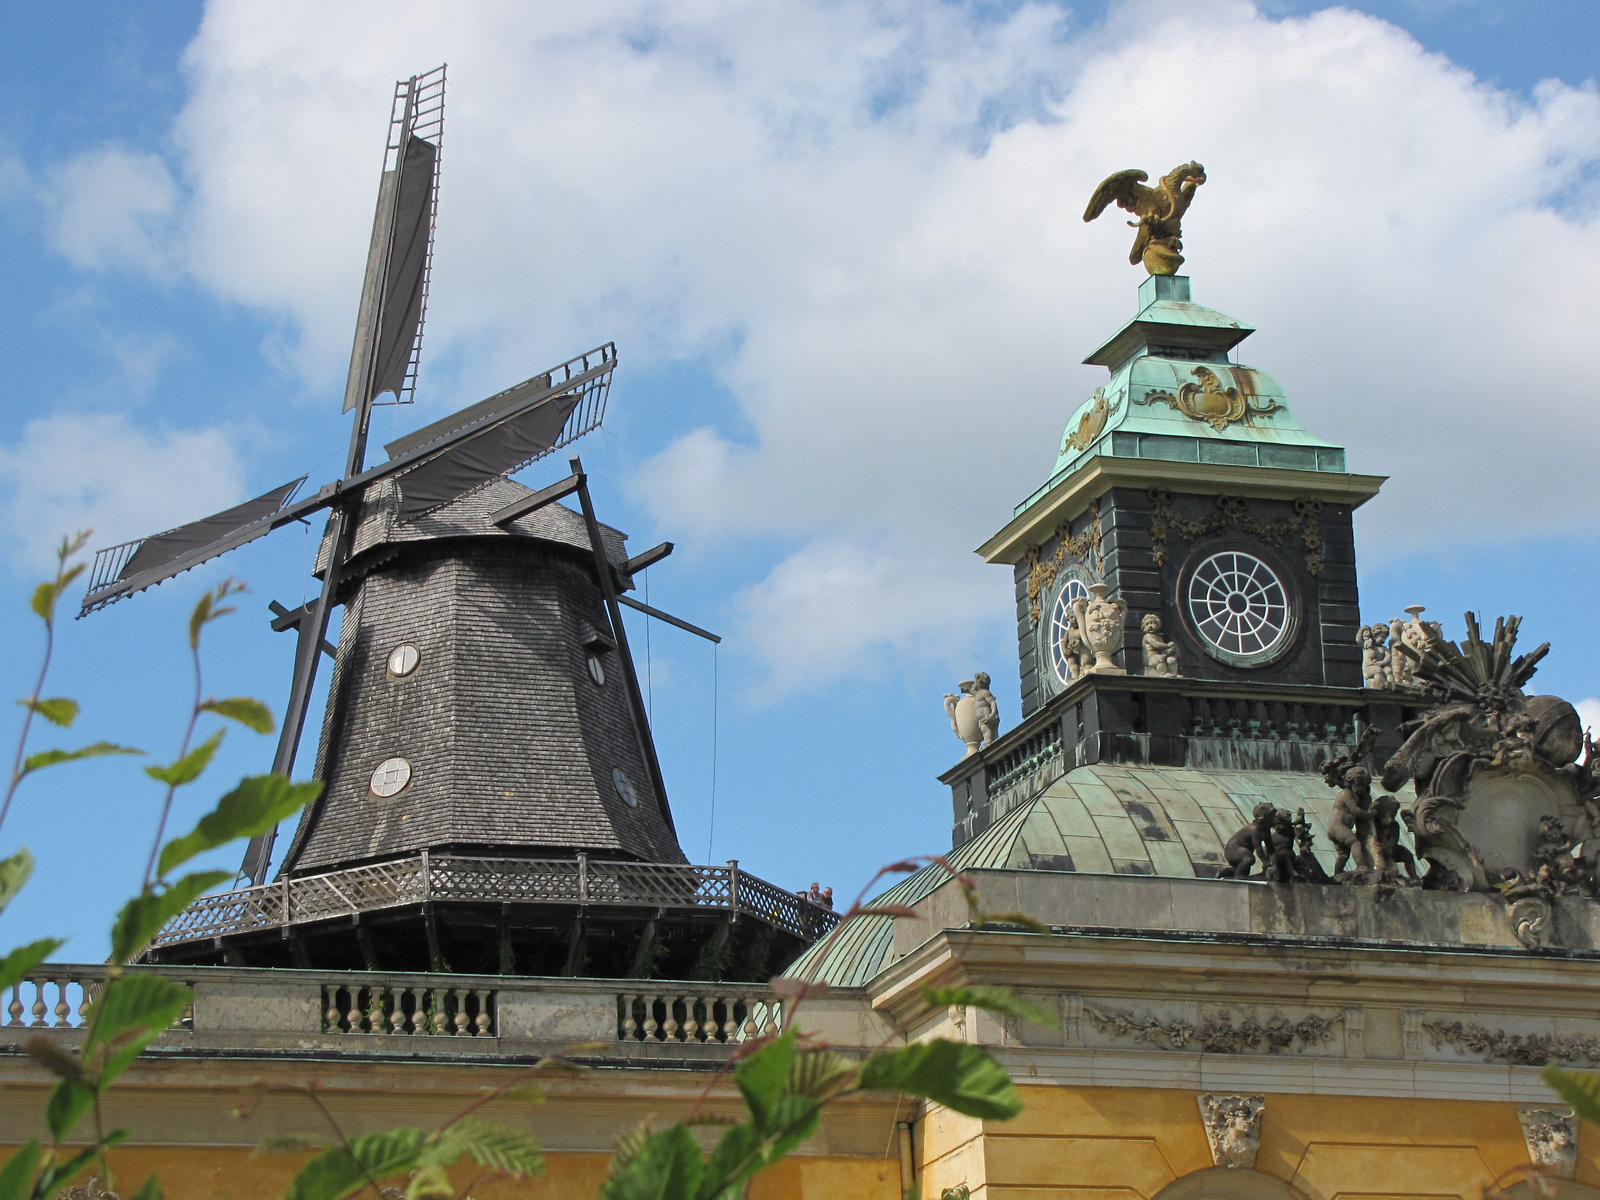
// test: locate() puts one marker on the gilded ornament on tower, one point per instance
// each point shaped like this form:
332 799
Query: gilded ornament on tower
1159 242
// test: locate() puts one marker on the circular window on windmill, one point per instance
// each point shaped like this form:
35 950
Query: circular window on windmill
597 669
1071 589
403 660
624 786
391 778
1240 608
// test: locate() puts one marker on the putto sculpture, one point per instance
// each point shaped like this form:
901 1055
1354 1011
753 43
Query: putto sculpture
1158 244
975 714
1160 657
1233 1128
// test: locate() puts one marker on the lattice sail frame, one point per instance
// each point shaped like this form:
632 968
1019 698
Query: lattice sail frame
427 123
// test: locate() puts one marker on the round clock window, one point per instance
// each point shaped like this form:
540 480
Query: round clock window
403 660
624 786
1060 619
390 778
1240 608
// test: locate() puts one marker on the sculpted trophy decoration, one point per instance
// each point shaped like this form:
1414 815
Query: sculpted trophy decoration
1158 244
1101 623
975 714
1233 1128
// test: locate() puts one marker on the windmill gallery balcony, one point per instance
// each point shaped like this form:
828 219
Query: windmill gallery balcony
549 916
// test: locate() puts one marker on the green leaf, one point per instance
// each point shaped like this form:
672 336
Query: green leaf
24 959
53 1057
187 769
255 806
1580 1089
965 1078
822 1074
50 758
69 1101
16 1177
430 1181
492 1145
737 1157
764 1076
14 872
44 598
58 710
991 999
151 1190
666 1167
130 1013
142 917
52 1179
338 1172
251 713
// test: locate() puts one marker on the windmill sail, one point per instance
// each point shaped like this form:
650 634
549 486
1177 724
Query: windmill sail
133 566
394 296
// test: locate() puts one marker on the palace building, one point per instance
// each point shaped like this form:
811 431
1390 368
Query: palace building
1310 892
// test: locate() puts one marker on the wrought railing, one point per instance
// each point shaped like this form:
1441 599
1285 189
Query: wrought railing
432 877
697 1016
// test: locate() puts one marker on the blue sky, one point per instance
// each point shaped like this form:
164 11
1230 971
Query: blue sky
839 250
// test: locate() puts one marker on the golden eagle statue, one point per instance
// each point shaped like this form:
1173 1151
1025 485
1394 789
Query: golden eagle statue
1160 211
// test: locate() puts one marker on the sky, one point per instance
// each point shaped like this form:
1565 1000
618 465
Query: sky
838 246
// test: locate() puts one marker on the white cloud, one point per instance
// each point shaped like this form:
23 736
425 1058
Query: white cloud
1589 713
109 207
68 473
878 204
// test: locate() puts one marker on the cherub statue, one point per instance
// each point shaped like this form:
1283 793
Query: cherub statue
1160 658
1350 827
1386 831
1376 669
1073 649
1160 211
1400 674
988 707
1280 860
1252 842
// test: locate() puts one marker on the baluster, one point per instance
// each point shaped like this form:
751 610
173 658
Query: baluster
669 1030
416 1021
15 1007
691 1027
39 1007
484 1020
330 1011
1313 722
630 1027
1276 716
463 1021
1333 721
397 1014
650 1026
85 999
63 1009
373 1013
1296 722
1258 720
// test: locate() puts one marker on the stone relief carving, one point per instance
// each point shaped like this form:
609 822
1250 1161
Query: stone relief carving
1160 657
1518 1049
1207 400
1084 547
1233 512
1159 242
1101 622
975 714
1219 1034
1552 1138
1233 1127
1092 424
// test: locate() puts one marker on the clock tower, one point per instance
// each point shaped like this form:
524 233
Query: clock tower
1184 491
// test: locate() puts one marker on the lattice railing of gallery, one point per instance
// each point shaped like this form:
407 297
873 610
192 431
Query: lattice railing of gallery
427 877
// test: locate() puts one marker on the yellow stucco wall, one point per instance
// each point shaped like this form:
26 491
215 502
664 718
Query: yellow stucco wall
1083 1143
1130 1143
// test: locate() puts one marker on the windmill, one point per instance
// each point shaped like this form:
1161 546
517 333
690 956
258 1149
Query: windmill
430 468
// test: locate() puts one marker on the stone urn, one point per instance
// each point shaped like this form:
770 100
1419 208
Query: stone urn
964 716
1102 621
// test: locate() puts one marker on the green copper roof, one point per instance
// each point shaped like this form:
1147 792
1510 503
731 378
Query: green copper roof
1174 395
1102 819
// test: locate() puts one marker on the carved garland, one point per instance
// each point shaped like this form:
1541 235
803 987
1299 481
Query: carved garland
1277 1034
1520 1049
1233 512
1042 572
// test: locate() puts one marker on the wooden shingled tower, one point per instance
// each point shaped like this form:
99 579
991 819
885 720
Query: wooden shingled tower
492 801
